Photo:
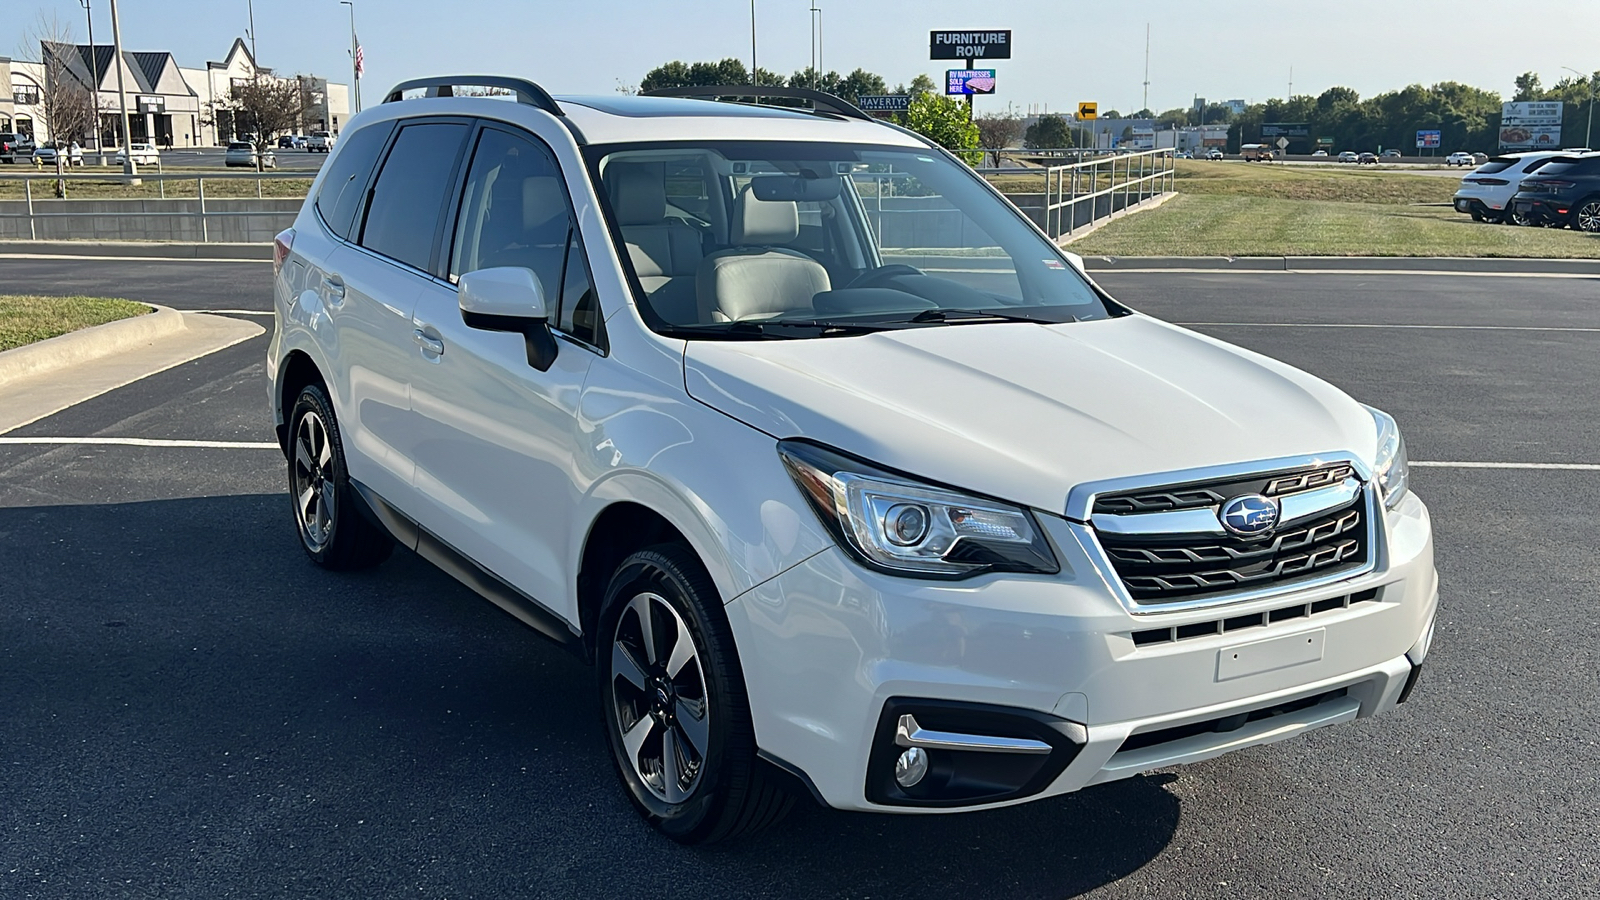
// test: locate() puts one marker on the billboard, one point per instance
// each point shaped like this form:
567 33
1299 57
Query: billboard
1294 131
1428 140
1530 125
969 45
969 81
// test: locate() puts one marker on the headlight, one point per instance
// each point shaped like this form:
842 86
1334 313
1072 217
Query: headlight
1391 468
897 525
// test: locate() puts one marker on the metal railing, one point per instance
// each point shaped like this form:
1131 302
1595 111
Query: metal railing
1076 195
202 214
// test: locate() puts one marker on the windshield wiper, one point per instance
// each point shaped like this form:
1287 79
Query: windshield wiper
780 329
974 316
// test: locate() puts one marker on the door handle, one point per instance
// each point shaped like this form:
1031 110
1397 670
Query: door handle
428 343
335 287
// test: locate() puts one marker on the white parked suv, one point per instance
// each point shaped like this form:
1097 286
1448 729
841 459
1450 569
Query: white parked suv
1486 192
846 479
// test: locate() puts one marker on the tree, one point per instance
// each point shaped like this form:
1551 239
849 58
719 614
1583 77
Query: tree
920 85
1527 88
67 106
944 121
1335 97
998 130
1048 133
270 106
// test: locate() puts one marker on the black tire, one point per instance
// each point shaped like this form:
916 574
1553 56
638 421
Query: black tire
1586 215
727 791
1512 217
1477 214
328 517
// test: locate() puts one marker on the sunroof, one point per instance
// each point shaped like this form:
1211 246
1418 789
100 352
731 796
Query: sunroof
655 107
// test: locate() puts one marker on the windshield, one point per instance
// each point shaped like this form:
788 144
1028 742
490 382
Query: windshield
792 239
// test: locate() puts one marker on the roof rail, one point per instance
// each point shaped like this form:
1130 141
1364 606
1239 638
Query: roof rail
821 101
527 92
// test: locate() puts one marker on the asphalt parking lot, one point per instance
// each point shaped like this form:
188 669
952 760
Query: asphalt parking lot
191 709
212 157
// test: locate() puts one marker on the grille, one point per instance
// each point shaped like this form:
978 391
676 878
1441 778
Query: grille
1160 568
1254 620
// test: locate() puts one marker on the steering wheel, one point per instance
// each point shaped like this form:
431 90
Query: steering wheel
873 277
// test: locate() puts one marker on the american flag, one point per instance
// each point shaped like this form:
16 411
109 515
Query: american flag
361 59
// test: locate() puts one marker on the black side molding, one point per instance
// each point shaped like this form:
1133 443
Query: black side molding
491 587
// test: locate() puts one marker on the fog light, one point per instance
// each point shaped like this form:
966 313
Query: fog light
910 767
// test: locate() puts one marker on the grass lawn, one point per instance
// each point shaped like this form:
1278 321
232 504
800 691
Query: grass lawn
1202 225
1349 184
25 319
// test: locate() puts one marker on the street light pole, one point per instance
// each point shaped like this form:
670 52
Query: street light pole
355 63
94 76
1588 132
129 167
752 41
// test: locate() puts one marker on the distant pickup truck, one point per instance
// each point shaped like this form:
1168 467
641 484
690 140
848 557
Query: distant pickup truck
15 145
1256 153
320 142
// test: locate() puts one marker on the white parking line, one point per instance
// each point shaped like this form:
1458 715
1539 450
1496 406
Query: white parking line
143 442
1566 467
1577 328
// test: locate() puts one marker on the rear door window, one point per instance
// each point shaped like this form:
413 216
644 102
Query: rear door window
339 197
408 197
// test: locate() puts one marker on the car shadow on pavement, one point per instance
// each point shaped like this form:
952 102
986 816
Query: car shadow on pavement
190 708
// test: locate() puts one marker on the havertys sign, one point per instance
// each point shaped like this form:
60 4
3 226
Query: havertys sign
884 102
969 45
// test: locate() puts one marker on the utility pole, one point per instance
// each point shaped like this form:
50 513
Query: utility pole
1146 104
752 41
1291 84
255 60
129 167
816 45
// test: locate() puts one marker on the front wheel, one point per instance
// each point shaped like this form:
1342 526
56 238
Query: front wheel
1587 216
673 699
332 530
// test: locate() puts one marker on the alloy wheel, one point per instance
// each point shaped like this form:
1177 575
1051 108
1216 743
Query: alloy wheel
1588 216
313 481
659 700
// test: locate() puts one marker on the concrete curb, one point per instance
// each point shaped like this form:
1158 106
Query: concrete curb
90 344
1348 263
137 249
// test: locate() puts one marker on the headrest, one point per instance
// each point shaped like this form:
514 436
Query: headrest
542 201
638 193
758 222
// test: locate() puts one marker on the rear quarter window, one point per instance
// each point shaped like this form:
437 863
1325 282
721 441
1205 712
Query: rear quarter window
339 197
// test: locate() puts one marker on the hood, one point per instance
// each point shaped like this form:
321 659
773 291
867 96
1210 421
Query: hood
1024 412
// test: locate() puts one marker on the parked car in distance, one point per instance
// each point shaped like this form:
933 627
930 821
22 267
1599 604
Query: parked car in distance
47 155
1459 158
1367 159
292 142
1256 152
1479 159
320 142
1349 156
920 540
243 154
1212 153
1565 191
1319 154
1392 153
1486 192
143 154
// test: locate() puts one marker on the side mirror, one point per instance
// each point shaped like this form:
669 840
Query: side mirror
509 299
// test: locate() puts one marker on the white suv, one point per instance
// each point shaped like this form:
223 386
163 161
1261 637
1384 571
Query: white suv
848 481
1486 192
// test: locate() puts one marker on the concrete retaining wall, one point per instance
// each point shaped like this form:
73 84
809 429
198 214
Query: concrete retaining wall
144 220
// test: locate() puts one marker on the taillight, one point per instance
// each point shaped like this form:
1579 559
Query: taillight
1554 186
281 245
1488 181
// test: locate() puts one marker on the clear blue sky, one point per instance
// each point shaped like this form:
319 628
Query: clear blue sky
1219 51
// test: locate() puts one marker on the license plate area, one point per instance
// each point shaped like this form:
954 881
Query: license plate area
1270 655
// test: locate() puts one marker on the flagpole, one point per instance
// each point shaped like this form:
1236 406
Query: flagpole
355 54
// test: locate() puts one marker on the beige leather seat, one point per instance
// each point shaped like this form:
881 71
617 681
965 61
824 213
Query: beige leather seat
755 279
665 252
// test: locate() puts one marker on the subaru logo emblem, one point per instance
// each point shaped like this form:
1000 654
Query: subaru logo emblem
1249 515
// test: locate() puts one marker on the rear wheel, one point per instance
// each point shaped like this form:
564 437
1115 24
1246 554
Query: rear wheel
332 530
673 698
1587 216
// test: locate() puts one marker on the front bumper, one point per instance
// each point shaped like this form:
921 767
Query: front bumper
836 644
